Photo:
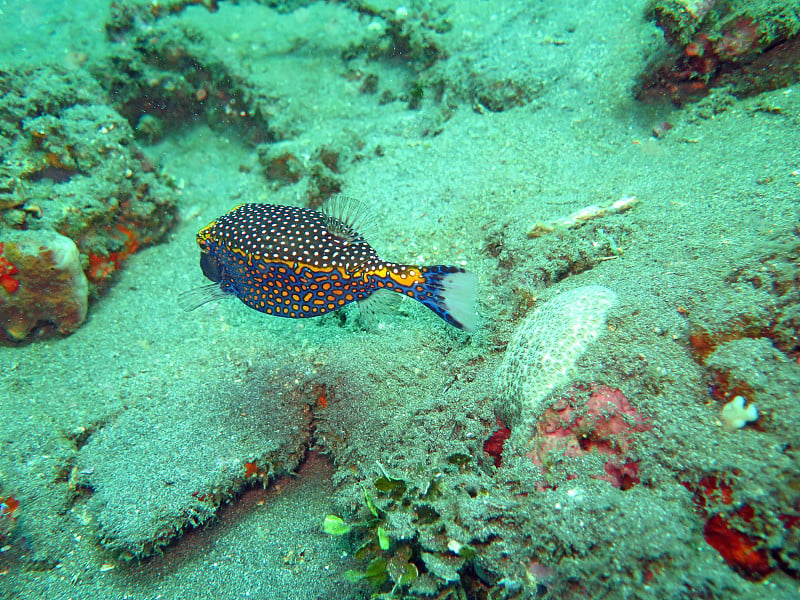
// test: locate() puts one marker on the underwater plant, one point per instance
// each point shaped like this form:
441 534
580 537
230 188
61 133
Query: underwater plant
404 542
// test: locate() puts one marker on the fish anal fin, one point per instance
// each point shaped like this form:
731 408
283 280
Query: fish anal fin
379 303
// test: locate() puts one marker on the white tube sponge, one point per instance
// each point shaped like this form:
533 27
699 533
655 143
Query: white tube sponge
544 349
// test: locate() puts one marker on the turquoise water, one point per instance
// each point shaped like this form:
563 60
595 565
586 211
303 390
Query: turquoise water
620 424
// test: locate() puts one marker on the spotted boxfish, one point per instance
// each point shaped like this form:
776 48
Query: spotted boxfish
298 262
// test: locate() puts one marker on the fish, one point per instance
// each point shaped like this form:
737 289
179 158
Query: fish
299 262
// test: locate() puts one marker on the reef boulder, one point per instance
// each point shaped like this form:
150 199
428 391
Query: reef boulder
43 284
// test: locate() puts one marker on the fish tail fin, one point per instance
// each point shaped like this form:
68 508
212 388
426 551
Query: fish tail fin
450 292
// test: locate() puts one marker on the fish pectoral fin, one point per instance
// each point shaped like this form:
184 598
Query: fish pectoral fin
194 298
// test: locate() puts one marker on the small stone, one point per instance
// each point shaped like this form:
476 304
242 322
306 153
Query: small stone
454 546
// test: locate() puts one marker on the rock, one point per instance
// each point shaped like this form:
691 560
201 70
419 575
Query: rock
50 288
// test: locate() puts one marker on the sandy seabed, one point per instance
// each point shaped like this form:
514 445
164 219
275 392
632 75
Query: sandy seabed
162 454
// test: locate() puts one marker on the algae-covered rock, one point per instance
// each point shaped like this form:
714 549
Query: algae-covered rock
165 466
164 74
746 46
70 165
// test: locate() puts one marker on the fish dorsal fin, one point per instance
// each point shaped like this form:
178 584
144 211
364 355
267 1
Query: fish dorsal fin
346 217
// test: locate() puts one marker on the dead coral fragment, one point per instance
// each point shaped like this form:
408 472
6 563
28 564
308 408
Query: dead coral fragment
544 349
579 217
52 288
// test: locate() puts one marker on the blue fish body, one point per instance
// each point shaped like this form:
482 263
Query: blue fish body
298 263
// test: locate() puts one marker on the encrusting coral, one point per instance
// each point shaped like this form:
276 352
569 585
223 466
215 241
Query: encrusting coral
544 349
